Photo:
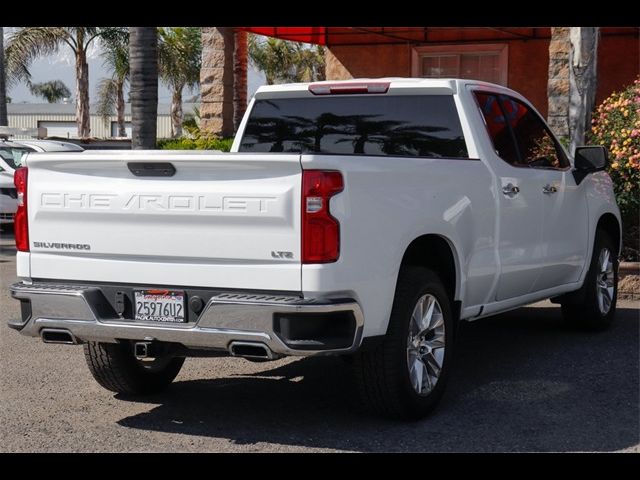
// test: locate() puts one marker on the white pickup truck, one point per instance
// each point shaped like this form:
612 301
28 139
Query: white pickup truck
363 218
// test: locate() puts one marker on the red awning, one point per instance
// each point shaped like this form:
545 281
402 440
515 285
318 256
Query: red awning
315 35
337 36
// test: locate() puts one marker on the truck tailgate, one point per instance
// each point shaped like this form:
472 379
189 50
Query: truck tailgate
227 220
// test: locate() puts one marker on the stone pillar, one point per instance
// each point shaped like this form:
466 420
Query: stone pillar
334 69
216 81
558 83
240 60
572 81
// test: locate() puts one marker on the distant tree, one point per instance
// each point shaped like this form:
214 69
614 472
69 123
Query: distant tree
3 85
179 54
111 90
28 43
311 63
52 91
143 58
282 61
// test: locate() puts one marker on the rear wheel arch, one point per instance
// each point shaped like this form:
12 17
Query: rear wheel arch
438 254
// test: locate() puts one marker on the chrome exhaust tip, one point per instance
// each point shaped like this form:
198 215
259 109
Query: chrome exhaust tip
251 350
58 335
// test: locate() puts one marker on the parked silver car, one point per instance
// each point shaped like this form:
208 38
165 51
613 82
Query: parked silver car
11 153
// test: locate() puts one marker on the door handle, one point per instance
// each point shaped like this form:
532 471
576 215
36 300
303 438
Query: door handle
510 190
549 189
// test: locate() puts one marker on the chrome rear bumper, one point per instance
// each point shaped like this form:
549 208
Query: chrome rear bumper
227 317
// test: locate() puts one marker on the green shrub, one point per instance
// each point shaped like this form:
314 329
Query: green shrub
616 125
200 143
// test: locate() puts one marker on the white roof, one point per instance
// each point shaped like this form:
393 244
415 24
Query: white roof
397 85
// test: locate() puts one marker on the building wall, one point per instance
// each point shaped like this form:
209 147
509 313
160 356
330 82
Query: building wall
369 61
528 64
529 71
99 128
618 63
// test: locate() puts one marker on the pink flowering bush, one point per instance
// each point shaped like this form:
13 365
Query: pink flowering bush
616 125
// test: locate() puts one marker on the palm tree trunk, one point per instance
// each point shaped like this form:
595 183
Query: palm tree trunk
176 112
122 131
239 77
143 54
583 81
82 89
3 86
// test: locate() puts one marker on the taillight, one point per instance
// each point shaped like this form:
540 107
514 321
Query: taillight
320 231
21 222
348 88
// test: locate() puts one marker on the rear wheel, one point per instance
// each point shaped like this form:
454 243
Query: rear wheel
405 376
115 367
600 290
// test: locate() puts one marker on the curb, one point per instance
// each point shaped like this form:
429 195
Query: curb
628 296
629 268
630 290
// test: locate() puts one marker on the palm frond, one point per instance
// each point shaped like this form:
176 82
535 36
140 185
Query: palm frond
52 91
115 54
285 61
107 98
27 44
180 56
114 35
18 74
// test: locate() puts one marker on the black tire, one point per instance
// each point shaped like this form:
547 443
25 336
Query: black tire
582 310
114 366
382 374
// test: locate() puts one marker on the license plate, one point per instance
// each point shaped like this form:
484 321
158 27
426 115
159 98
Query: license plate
159 306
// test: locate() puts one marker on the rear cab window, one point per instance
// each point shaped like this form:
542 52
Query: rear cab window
389 125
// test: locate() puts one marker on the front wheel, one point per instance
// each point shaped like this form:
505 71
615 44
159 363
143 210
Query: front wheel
115 367
405 376
600 289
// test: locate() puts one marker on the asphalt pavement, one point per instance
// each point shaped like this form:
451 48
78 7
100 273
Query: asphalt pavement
522 382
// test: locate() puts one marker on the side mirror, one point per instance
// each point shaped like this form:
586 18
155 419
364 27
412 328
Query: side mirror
589 160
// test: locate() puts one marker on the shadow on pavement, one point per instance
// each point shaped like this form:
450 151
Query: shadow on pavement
522 382
7 242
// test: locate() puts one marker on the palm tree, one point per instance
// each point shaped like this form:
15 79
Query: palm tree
179 50
143 58
283 61
52 91
29 43
111 90
3 86
311 64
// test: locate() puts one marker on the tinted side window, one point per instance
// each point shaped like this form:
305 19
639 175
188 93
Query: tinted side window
497 127
419 125
13 155
536 145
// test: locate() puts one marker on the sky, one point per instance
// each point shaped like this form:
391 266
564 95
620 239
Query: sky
61 67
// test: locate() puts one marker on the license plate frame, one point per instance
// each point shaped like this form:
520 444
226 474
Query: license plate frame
159 306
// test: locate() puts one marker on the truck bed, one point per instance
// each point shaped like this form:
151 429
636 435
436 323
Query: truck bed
96 216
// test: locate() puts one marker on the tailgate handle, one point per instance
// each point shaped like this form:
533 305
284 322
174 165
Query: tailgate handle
152 169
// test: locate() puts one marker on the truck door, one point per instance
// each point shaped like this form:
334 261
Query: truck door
520 202
564 221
